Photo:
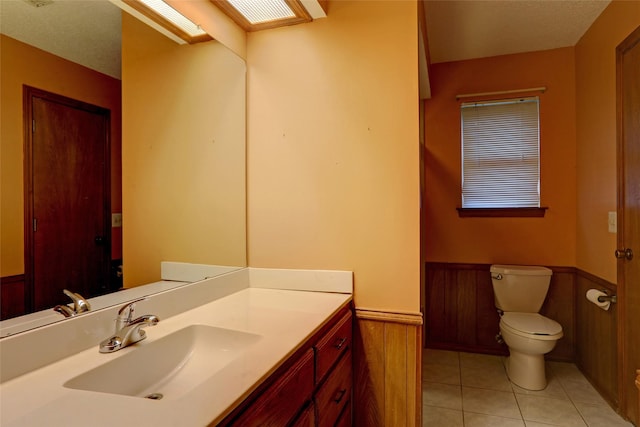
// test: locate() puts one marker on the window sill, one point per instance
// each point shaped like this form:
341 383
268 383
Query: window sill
501 212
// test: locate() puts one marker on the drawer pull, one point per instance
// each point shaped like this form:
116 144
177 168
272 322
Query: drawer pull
339 395
340 342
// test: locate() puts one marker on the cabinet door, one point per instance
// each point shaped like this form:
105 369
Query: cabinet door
280 402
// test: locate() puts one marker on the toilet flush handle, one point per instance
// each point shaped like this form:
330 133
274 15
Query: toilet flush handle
497 276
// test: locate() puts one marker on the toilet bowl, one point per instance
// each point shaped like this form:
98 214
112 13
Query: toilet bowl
519 294
529 337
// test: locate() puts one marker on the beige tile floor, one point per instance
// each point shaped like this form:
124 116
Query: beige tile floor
472 390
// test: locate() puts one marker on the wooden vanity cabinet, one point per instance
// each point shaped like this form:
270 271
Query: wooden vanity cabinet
332 345
281 401
307 418
333 377
335 394
313 388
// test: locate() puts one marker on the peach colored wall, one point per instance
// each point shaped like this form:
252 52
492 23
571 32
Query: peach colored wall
596 135
22 64
546 241
183 153
333 170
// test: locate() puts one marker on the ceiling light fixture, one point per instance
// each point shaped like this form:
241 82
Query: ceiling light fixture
169 18
253 15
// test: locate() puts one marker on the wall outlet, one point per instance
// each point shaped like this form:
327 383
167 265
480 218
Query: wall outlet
116 220
613 222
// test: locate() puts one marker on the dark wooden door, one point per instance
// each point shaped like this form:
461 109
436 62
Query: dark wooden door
67 220
628 68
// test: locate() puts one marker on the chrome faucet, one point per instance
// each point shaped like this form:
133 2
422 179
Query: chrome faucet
80 305
128 330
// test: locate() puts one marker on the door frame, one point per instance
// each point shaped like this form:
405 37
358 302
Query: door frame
625 372
28 93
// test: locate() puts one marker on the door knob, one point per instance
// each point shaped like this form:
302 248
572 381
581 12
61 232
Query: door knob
100 241
624 253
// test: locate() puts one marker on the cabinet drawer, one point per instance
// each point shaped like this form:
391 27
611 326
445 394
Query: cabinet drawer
335 393
330 347
282 400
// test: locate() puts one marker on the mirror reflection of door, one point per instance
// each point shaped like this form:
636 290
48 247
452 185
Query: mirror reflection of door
67 198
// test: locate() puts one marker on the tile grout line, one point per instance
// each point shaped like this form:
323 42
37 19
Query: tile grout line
460 387
524 422
571 399
513 390
569 395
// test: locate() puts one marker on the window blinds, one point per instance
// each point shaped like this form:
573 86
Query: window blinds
500 154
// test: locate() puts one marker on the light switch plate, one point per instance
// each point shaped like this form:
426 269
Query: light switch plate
116 220
613 222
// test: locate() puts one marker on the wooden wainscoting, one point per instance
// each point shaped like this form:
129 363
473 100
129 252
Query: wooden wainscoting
387 369
12 296
461 315
560 306
596 337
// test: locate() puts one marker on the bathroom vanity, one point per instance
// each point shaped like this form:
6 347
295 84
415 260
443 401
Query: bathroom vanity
315 383
251 347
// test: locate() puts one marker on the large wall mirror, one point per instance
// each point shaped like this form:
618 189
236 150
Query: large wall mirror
176 138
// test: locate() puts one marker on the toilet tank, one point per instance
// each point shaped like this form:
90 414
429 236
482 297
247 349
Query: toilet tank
520 288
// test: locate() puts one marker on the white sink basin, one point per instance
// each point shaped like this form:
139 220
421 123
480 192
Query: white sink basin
169 367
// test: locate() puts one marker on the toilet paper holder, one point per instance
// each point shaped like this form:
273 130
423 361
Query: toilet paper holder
608 298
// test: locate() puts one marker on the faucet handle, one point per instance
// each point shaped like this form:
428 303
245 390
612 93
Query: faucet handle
129 307
125 314
66 311
80 304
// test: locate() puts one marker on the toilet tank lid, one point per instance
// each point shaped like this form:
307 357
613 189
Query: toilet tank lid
531 323
525 270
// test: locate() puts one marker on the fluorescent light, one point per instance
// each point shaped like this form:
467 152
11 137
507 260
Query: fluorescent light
175 17
263 11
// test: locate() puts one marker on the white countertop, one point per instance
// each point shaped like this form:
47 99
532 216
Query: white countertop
284 319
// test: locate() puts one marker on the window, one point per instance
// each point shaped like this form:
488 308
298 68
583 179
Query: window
500 154
253 15
166 20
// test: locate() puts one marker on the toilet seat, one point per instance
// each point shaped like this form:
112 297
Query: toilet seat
531 325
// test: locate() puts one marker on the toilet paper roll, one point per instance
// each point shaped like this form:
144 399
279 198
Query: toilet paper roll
593 294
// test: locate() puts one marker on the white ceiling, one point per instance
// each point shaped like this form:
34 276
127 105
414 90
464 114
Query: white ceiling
88 31
469 29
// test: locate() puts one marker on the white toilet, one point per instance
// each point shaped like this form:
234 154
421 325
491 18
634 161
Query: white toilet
519 293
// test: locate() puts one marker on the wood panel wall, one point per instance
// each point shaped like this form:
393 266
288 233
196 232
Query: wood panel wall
12 298
596 340
560 306
461 315
387 369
